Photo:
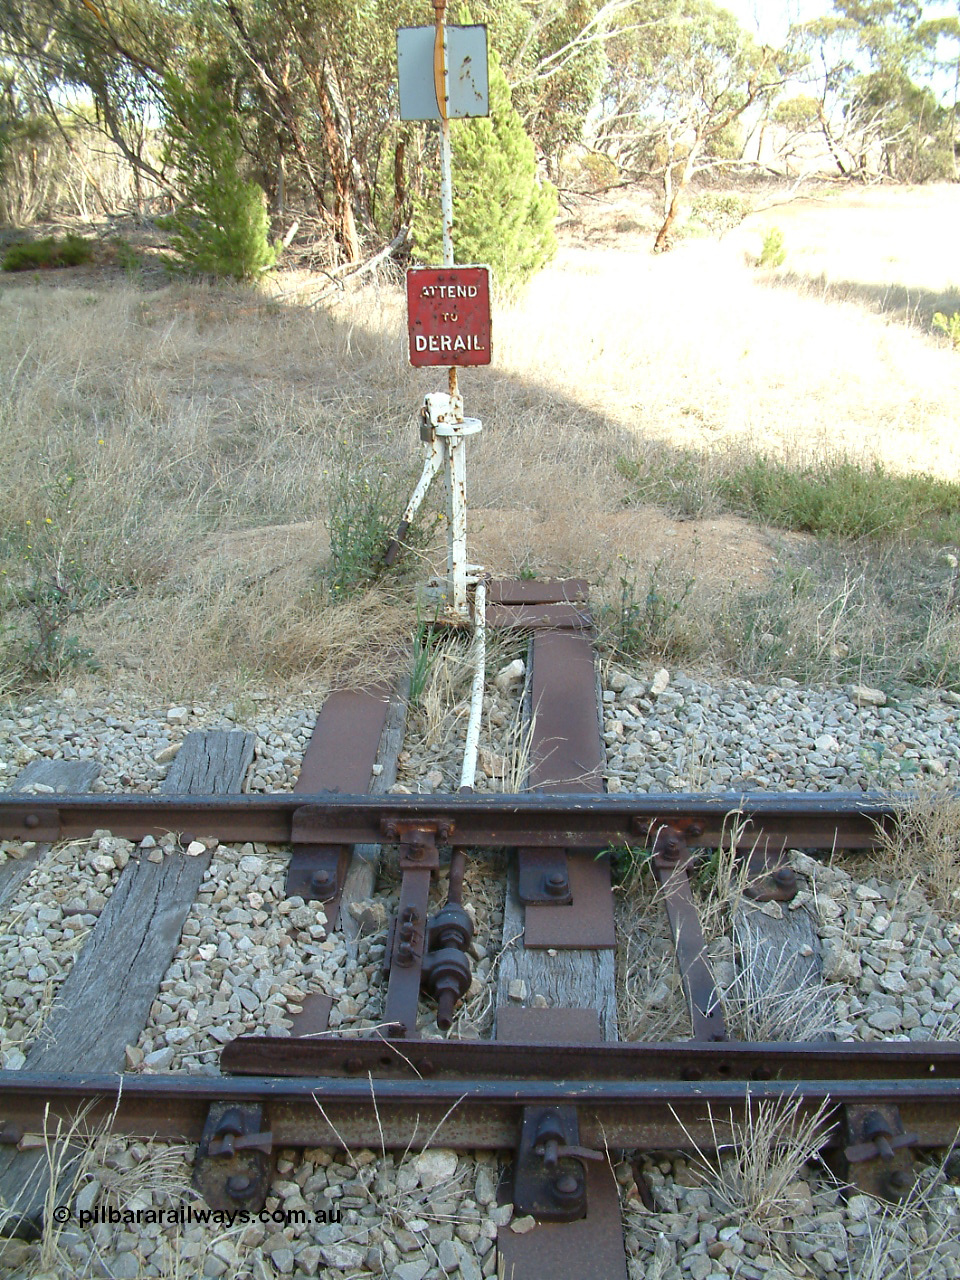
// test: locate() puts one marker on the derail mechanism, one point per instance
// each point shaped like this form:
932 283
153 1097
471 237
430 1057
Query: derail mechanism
428 953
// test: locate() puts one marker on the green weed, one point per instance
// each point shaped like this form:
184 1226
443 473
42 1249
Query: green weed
950 325
424 657
838 499
773 252
361 518
833 498
49 586
627 864
648 616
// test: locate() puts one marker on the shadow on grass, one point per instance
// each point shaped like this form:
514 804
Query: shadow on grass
911 304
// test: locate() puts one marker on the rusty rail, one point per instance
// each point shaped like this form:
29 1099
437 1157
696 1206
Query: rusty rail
843 820
476 1112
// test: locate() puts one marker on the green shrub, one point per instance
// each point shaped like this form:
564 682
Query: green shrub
363 509
32 255
772 253
950 325
221 228
502 214
719 212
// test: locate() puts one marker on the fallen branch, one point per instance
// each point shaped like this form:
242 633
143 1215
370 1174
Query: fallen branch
340 274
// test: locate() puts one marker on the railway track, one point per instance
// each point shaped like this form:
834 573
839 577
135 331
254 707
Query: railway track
553 1087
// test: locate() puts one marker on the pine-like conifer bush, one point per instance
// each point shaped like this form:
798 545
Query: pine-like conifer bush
502 215
221 228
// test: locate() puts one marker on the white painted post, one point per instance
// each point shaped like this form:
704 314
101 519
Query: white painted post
455 470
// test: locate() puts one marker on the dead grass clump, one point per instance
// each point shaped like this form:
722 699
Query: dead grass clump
912 1240
925 846
650 1001
774 996
760 1158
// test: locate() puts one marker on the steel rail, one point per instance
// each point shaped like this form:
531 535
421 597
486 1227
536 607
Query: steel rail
600 1063
320 1111
845 820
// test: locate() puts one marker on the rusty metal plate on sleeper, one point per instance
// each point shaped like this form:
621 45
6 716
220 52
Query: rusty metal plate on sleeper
592 1246
346 738
539 617
314 1016
558 591
566 753
587 922
548 1026
543 876
340 757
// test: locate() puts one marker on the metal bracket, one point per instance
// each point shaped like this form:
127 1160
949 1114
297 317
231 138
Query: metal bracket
418 841
549 1180
671 860
543 876
316 872
234 1160
877 1151
669 837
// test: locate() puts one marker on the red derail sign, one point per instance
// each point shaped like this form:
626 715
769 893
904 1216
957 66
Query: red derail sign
448 315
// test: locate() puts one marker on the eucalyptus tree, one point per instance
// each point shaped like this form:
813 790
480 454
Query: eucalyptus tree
874 63
677 85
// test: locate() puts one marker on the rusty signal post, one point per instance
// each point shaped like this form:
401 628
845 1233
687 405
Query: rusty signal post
443 76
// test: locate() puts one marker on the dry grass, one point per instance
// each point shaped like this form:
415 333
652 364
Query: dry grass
83 1158
180 442
762 1158
925 847
912 1240
774 996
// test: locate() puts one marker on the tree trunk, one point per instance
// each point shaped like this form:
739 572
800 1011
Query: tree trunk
674 195
399 184
337 144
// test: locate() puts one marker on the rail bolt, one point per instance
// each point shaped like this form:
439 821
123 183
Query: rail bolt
556 884
567 1187
446 975
241 1186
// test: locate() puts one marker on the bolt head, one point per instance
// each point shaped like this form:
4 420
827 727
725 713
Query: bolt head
240 1186
556 884
897 1183
567 1186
